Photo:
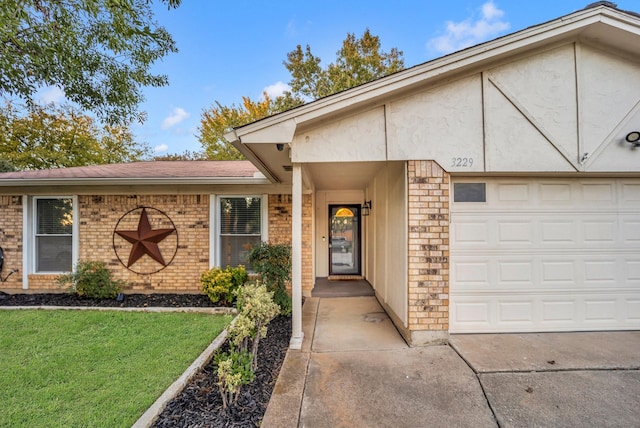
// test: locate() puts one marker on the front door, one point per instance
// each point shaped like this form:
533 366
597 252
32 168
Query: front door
344 244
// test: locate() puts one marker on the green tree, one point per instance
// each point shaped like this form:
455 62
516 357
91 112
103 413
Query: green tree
97 51
187 155
219 119
57 137
360 60
6 166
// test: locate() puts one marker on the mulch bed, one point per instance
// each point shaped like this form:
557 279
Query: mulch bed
199 404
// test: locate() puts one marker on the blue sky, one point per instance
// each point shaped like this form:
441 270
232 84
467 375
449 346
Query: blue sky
230 49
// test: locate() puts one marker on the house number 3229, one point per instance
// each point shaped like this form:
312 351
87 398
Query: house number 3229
462 162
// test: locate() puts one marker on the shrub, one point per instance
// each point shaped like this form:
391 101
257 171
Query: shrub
237 367
256 304
272 262
91 279
234 370
220 284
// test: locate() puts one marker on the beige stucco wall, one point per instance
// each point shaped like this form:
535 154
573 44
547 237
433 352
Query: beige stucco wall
562 109
386 239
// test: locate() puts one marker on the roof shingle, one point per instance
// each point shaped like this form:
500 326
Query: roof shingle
149 169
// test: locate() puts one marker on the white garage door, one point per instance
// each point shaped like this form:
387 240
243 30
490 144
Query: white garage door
545 255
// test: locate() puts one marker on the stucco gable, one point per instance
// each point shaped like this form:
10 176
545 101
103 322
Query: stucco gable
529 101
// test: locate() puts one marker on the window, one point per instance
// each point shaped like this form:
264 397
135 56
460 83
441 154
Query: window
53 234
240 229
469 192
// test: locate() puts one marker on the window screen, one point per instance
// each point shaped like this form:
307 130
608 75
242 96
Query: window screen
469 192
240 229
54 229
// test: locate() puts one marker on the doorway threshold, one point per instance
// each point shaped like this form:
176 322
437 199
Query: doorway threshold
325 287
345 277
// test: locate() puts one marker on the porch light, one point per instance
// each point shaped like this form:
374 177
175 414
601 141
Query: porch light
366 207
633 137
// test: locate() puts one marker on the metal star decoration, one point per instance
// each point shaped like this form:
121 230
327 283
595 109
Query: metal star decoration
145 240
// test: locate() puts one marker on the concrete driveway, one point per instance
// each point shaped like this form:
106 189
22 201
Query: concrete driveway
557 379
354 370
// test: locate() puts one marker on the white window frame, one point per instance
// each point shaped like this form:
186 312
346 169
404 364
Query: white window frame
214 221
31 253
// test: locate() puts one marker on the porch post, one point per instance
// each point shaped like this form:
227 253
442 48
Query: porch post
296 257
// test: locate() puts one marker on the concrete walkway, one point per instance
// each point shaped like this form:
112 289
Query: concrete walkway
355 370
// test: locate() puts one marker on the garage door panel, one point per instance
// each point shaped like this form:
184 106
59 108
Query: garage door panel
601 310
632 271
547 255
631 194
598 192
515 232
600 271
562 311
632 310
544 231
512 312
631 231
559 272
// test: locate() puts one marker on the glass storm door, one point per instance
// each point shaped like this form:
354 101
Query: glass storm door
344 245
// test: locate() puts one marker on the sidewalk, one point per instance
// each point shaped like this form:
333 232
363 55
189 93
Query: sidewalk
354 370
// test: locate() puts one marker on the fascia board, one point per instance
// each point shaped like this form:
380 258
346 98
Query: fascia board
528 38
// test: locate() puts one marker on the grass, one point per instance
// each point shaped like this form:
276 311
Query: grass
92 368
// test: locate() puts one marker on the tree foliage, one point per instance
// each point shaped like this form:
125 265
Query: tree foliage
187 155
219 120
97 51
360 60
57 137
6 166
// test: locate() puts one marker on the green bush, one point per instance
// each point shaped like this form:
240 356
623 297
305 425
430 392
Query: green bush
272 262
283 300
221 284
91 279
256 309
234 370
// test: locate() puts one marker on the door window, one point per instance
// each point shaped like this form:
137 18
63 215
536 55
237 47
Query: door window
344 248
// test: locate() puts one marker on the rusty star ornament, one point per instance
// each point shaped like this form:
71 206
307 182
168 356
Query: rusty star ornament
145 240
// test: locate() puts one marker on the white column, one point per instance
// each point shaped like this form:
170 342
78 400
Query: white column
296 257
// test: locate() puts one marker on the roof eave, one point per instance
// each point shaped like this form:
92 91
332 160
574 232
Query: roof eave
39 182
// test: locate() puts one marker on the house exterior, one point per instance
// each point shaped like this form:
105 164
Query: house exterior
496 189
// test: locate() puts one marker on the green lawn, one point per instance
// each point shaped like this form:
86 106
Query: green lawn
90 368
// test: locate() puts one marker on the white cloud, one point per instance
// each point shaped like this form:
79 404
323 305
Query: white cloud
52 94
160 148
276 89
177 116
291 29
471 31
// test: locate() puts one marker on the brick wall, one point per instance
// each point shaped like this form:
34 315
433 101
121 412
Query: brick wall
428 250
99 216
11 240
280 232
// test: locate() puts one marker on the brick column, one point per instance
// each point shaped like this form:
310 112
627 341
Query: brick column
11 241
428 253
280 232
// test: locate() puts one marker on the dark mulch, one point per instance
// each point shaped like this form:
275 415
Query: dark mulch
199 404
129 301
